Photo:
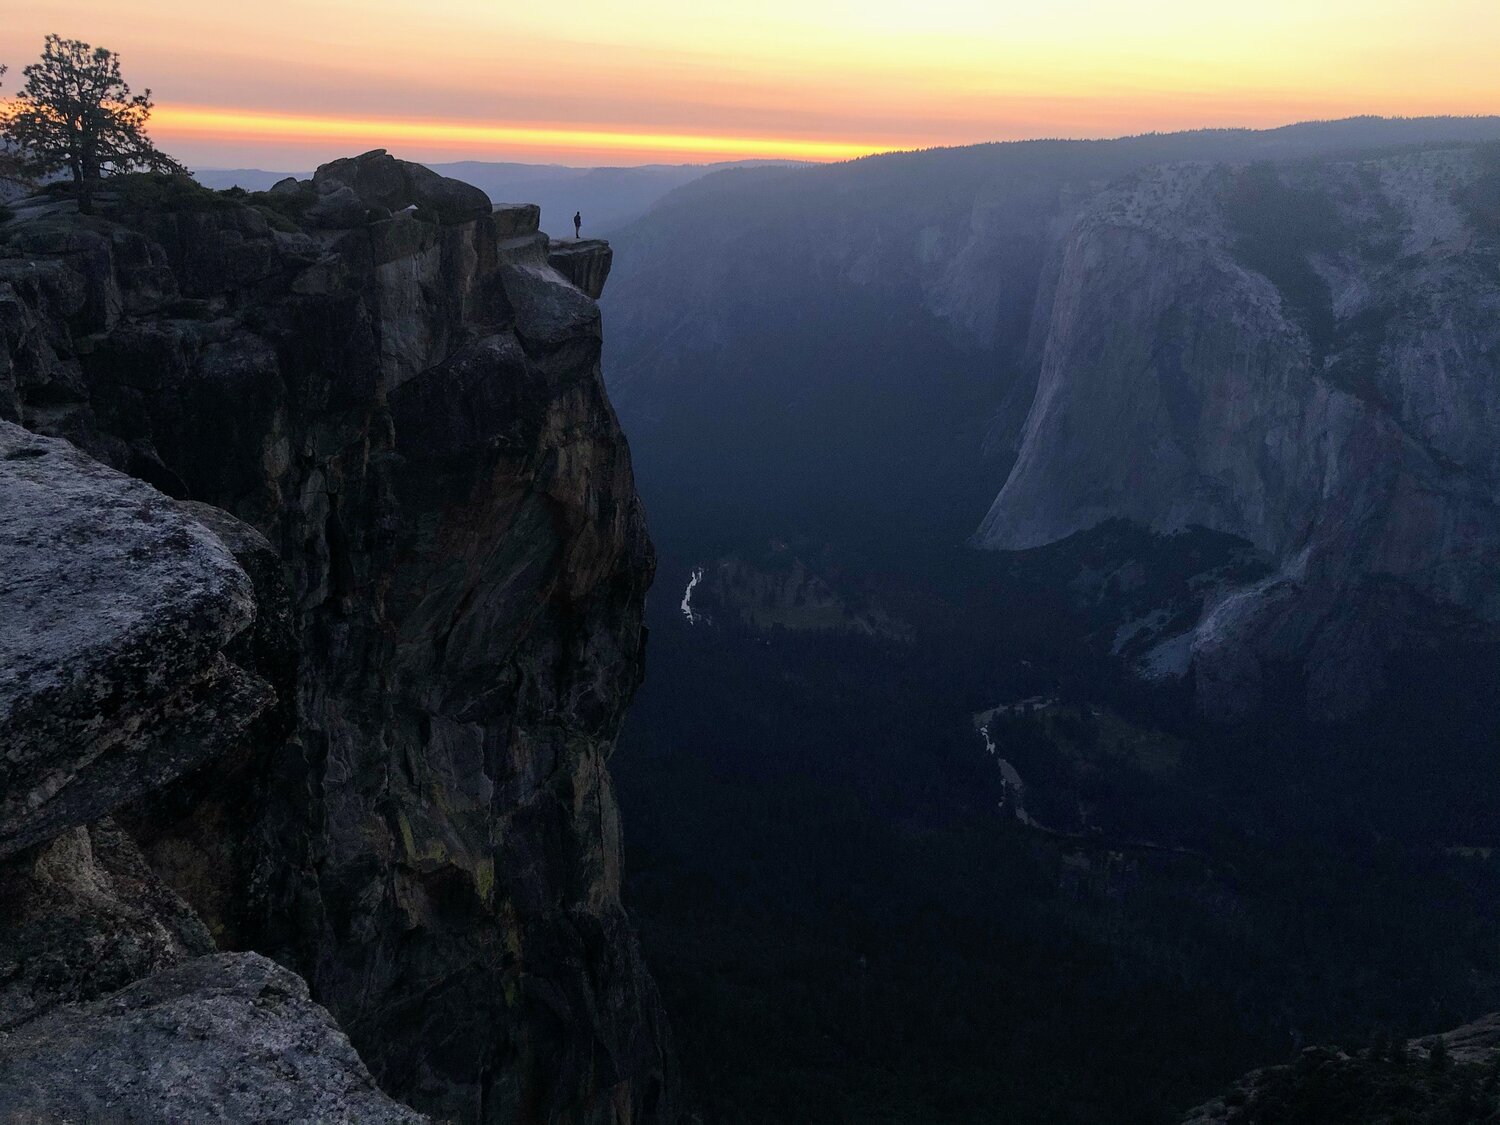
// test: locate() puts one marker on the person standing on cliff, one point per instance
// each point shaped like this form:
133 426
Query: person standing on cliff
577 224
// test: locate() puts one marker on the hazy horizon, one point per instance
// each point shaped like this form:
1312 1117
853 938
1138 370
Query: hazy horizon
500 160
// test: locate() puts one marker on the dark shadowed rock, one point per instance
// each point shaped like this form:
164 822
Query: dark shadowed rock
512 219
338 207
380 180
115 610
84 915
269 649
550 310
1373 1085
1478 1041
231 1037
585 263
194 832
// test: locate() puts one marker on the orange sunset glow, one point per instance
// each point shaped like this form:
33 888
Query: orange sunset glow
282 84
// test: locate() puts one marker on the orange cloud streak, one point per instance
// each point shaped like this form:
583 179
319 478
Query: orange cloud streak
280 82
198 121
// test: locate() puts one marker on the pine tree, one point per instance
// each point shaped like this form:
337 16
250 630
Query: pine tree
76 112
10 167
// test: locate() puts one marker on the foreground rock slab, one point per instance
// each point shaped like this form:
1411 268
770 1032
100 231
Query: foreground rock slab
115 607
231 1037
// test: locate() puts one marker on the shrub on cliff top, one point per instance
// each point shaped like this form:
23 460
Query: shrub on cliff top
153 191
291 206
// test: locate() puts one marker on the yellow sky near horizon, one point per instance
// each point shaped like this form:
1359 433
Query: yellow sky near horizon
283 84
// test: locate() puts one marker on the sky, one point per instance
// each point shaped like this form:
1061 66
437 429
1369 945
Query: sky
286 84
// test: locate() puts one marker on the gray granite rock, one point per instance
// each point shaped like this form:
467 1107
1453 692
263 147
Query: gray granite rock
85 915
512 219
231 1037
115 609
1339 411
550 310
337 207
380 180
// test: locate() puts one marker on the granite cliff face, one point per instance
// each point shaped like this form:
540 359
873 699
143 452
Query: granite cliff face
1307 357
434 568
1148 328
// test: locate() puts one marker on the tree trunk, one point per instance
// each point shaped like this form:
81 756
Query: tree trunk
83 189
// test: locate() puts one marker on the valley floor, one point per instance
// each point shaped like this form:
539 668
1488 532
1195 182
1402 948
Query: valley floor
850 924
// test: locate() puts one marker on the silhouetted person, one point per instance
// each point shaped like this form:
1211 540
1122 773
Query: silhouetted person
577 224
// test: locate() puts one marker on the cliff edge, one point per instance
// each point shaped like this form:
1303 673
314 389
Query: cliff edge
375 405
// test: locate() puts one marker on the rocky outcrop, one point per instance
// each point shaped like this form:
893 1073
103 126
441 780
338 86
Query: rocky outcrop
515 219
381 181
226 1037
584 262
363 189
1304 358
85 915
131 646
117 609
403 400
